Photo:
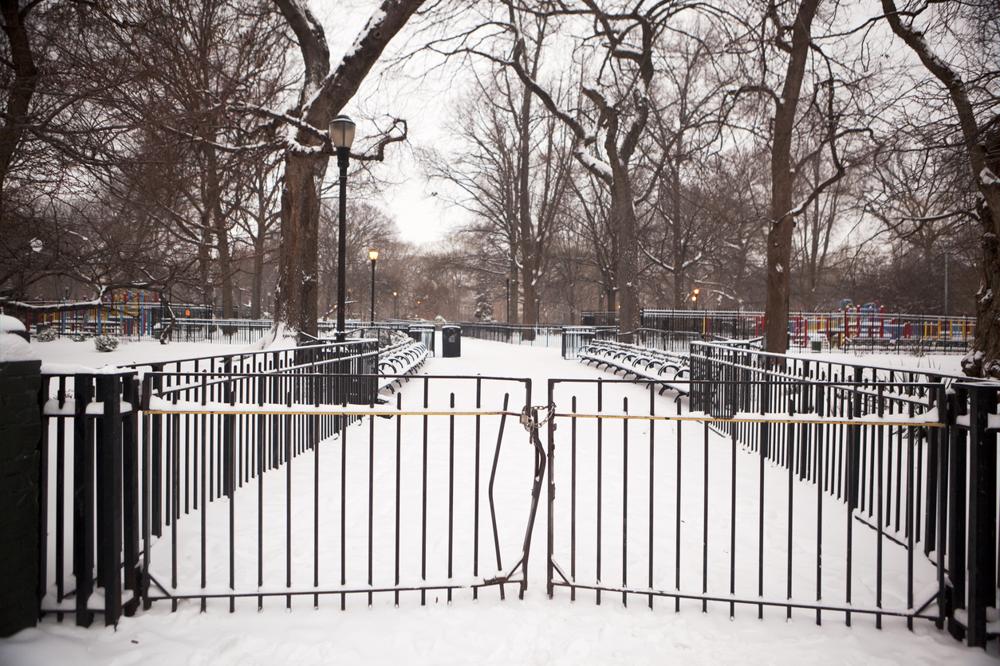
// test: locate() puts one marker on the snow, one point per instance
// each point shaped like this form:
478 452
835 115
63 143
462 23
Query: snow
15 348
944 363
987 177
66 356
10 324
536 630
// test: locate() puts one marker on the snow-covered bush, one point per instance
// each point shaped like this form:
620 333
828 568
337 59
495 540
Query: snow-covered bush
47 334
79 337
484 308
105 343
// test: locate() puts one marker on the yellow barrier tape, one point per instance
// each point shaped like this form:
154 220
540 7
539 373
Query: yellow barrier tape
292 412
748 419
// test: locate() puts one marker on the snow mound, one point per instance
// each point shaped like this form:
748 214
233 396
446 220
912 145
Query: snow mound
15 348
10 324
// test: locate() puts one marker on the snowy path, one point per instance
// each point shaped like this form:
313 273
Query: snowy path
535 630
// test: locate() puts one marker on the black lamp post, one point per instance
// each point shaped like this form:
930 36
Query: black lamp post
508 300
373 257
341 137
395 305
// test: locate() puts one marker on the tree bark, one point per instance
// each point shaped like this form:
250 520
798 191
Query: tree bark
295 302
220 230
527 234
258 278
779 236
984 361
623 210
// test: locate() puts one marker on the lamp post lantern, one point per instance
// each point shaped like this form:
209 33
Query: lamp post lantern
395 305
341 138
373 257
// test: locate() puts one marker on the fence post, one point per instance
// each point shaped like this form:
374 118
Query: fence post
956 510
109 462
22 515
130 490
83 498
854 450
936 400
982 517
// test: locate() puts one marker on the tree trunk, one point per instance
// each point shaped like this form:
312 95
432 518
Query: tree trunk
623 212
515 286
984 360
258 277
779 236
225 268
214 206
205 262
297 269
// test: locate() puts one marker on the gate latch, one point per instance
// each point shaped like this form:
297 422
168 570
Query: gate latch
529 417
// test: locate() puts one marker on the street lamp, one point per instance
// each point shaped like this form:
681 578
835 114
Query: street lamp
341 137
395 305
508 300
373 257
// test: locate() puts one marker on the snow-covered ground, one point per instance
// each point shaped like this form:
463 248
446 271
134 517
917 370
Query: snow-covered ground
67 352
946 363
535 630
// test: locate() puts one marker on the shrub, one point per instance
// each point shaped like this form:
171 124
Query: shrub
47 334
105 343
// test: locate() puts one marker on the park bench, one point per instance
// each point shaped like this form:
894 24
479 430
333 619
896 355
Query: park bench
639 362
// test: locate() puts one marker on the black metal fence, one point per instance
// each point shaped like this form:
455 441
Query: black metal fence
539 335
825 496
815 487
252 546
98 462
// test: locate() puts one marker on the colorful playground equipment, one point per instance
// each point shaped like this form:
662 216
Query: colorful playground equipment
123 313
866 326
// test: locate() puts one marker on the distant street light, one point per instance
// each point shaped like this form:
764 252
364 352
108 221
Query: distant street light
373 257
341 137
395 305
508 300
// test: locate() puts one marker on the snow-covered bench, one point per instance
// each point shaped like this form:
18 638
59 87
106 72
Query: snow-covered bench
639 362
399 360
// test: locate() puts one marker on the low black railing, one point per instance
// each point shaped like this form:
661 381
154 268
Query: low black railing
539 335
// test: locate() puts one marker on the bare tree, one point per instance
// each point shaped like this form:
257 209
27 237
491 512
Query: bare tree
976 110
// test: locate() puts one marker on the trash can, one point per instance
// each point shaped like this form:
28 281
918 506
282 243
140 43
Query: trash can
816 343
423 333
451 337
